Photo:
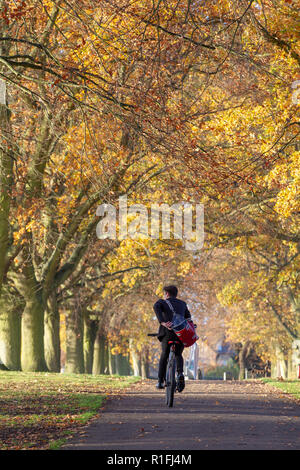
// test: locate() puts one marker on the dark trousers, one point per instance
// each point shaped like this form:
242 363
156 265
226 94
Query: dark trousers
165 350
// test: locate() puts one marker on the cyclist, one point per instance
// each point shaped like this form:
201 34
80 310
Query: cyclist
165 334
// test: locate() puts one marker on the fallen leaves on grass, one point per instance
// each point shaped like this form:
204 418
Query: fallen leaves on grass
37 409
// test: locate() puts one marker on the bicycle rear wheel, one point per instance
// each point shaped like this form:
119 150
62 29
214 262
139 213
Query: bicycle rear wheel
170 380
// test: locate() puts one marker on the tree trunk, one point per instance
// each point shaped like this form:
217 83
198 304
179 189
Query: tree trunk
135 358
32 336
244 351
6 162
10 332
122 365
100 352
51 337
282 363
74 343
111 362
32 326
145 364
89 335
106 357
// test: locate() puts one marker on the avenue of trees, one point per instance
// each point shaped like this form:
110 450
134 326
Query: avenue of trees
164 101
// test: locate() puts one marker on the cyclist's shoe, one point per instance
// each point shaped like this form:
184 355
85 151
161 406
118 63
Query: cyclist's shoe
160 384
180 382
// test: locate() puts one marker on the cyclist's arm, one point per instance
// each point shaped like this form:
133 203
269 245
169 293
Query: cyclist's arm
158 309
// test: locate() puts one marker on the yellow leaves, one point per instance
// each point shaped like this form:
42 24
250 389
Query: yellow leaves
288 276
28 219
19 234
116 350
29 225
105 292
230 294
159 290
287 176
130 279
288 201
183 268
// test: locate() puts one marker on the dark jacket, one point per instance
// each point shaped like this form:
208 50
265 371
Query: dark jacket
164 314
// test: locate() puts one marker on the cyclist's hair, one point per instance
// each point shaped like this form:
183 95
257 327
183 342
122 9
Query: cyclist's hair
172 290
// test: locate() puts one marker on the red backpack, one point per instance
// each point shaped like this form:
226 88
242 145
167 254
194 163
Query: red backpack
184 328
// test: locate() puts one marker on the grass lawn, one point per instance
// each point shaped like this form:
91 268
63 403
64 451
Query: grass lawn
292 387
39 410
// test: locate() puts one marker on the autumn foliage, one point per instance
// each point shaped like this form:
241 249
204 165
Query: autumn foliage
161 101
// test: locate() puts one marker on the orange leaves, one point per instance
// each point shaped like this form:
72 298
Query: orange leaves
12 11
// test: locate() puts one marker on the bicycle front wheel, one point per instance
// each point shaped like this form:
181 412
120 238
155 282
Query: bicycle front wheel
170 380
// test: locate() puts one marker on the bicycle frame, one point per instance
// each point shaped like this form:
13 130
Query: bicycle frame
170 372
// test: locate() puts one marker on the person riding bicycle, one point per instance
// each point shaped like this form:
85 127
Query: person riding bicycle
165 334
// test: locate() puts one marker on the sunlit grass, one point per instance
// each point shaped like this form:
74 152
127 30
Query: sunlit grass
292 387
37 410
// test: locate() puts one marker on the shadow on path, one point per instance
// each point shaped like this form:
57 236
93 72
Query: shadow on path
206 415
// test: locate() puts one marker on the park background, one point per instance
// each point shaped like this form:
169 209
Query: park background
162 101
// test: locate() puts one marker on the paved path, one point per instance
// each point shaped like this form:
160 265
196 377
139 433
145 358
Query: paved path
209 414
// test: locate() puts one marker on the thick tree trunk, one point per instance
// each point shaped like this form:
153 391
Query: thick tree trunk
51 336
89 335
74 343
10 332
32 327
122 365
32 335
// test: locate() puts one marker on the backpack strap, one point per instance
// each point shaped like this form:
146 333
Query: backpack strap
170 306
172 309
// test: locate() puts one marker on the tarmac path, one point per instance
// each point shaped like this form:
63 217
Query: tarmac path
207 415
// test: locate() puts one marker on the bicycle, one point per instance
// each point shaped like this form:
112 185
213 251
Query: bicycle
171 385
